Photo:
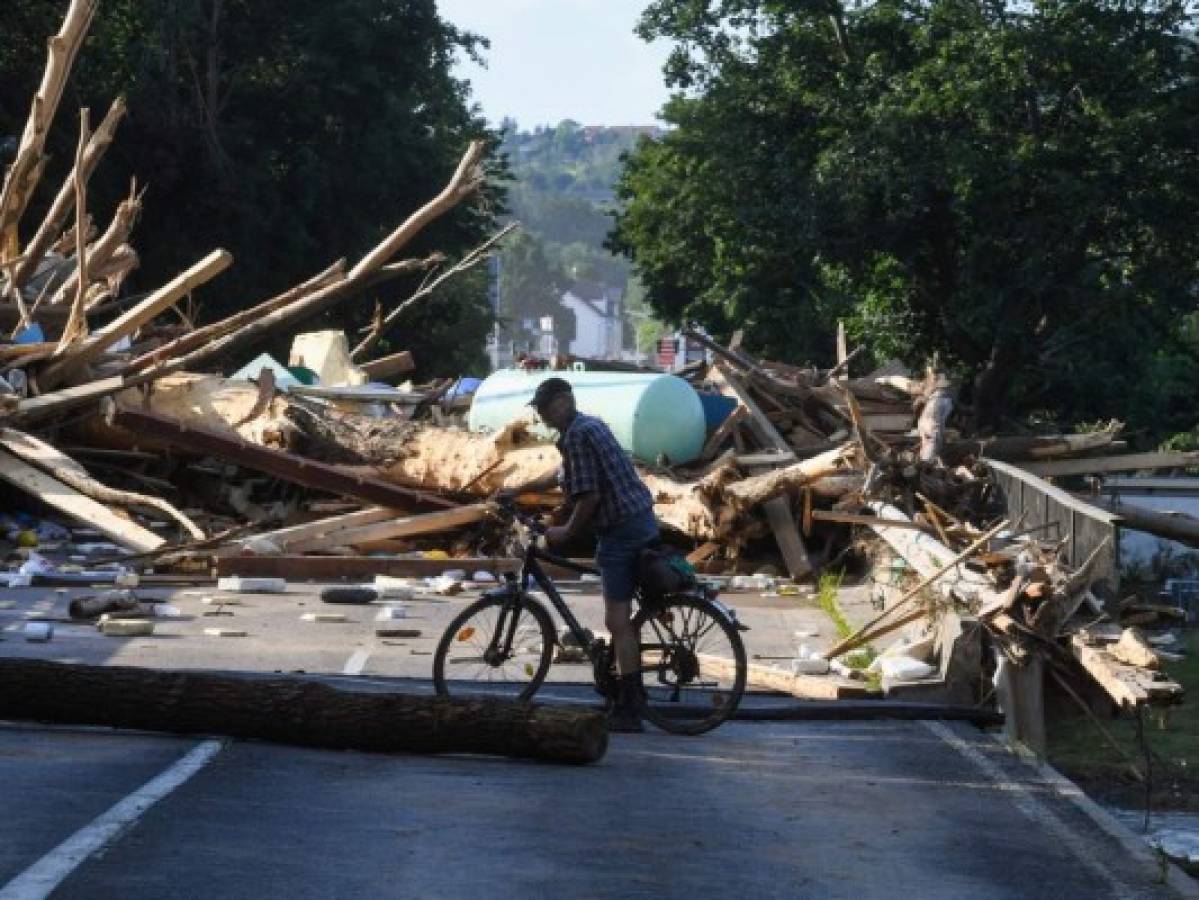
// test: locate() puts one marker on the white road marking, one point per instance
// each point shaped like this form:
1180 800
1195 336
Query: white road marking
357 662
40 879
1033 808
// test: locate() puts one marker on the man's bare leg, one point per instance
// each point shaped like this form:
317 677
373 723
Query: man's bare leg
617 617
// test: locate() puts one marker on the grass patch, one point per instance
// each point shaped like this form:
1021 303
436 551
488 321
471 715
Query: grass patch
1077 748
827 590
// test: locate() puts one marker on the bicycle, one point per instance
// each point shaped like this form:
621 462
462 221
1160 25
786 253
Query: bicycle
503 644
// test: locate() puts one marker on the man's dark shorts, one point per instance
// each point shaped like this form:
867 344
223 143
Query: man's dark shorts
617 552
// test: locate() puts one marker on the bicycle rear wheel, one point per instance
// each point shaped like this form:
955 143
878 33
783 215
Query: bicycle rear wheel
495 649
692 665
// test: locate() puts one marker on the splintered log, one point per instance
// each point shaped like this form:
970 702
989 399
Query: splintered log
102 251
464 182
22 176
295 711
1125 462
79 507
1130 687
64 201
760 488
126 324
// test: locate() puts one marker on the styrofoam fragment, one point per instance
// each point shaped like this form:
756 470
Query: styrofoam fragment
240 585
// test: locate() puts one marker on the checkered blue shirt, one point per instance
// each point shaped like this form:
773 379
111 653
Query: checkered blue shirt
592 460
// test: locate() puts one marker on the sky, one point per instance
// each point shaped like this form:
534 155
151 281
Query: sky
562 59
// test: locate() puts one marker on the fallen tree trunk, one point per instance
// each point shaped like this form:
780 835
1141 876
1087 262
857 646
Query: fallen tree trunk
295 711
1174 526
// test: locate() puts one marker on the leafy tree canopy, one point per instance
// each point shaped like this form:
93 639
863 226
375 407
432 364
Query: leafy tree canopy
1010 185
292 132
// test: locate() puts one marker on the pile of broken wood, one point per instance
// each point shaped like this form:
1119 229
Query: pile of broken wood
262 482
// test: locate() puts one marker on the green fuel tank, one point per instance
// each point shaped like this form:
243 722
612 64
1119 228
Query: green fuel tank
651 415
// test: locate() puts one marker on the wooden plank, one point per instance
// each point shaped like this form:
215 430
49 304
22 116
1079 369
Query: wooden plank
889 421
287 466
332 568
83 509
778 510
770 458
703 552
35 409
716 440
407 526
805 687
1126 462
284 537
1129 686
1063 497
821 515
387 366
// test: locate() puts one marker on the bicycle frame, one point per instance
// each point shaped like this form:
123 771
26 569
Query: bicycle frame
531 571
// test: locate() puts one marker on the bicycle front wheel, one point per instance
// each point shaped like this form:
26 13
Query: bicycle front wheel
495 648
692 665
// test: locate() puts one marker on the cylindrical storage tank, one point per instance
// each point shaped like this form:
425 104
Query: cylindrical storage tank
650 414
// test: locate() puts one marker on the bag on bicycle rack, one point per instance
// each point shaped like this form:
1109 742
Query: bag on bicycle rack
661 572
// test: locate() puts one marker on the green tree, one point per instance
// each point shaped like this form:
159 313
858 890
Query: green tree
1003 183
292 132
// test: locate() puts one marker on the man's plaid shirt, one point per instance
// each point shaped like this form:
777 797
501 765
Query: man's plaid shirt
592 460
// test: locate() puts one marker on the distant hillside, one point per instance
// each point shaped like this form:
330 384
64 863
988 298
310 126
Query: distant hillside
563 188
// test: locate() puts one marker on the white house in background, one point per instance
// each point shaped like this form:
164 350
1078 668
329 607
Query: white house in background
599 321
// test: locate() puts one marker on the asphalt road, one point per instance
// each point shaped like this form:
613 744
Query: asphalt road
791 810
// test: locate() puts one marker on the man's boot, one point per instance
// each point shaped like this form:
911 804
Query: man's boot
626 714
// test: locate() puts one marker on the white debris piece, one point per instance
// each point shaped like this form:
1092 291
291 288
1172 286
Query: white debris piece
392 588
39 632
241 585
902 668
125 627
323 617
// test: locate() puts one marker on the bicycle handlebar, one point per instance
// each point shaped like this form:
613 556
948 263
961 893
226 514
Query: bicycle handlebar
511 510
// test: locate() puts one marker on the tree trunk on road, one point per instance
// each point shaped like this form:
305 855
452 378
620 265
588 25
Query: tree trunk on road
295 711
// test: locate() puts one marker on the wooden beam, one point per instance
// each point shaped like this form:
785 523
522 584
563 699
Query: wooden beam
722 433
387 366
805 687
778 510
407 526
288 466
822 515
332 568
1173 526
83 509
1126 462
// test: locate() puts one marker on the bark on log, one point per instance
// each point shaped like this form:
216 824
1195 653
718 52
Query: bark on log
21 179
760 488
64 202
1174 526
931 425
295 711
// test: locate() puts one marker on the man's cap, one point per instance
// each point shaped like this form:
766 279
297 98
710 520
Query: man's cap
548 390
